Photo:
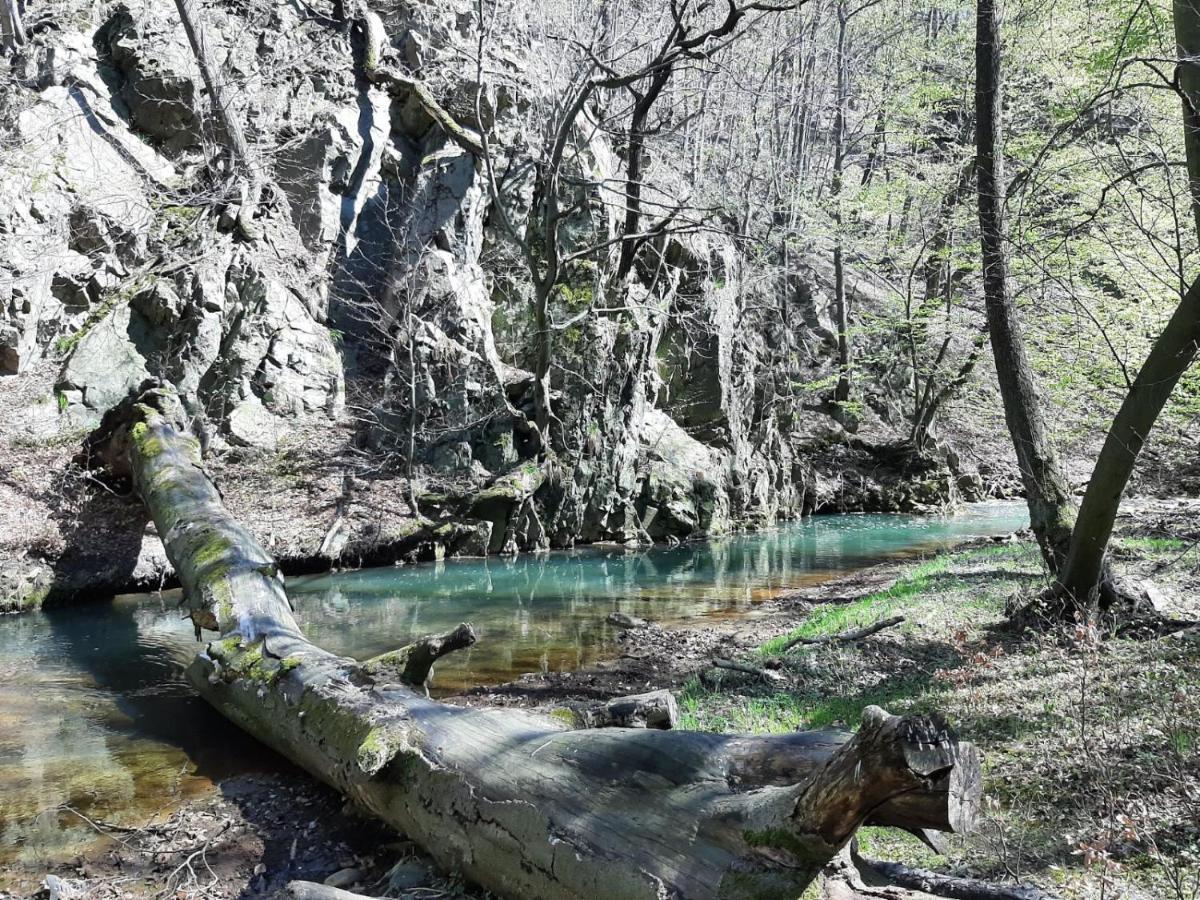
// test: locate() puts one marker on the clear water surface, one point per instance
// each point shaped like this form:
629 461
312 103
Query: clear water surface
97 720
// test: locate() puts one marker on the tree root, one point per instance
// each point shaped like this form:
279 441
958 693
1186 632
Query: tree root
850 876
1121 608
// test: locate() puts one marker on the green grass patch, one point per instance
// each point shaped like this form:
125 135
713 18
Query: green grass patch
835 618
702 709
1151 544
891 843
1065 726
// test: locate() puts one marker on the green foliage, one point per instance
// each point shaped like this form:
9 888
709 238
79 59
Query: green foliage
576 298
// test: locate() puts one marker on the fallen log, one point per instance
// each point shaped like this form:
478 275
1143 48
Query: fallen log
517 802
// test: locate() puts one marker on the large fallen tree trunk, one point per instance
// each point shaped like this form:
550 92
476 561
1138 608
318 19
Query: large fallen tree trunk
517 802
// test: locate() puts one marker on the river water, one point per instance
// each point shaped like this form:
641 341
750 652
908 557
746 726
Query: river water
97 720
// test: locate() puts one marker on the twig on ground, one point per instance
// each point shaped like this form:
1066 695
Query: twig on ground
845 637
765 674
949 885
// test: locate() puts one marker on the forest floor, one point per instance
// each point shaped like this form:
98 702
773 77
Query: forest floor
1091 747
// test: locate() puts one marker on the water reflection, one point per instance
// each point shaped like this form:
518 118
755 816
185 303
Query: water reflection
548 612
95 713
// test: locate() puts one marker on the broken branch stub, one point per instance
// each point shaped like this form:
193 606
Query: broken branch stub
517 802
413 664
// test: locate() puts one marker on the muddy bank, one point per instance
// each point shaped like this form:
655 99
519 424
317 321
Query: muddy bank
651 656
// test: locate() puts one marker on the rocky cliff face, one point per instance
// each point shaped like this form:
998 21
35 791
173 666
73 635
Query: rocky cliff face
371 348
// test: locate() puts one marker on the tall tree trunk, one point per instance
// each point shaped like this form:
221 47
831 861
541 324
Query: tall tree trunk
1187 40
12 31
252 180
1051 507
1084 572
1084 578
543 354
841 310
634 158
517 802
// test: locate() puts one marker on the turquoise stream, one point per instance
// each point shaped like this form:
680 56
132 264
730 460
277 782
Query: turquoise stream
96 719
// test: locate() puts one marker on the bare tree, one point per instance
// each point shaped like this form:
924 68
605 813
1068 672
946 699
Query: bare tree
641 82
932 385
222 106
845 13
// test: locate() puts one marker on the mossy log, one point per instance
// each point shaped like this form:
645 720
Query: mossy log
520 803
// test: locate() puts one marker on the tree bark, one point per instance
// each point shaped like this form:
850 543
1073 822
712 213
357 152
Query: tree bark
1051 506
193 26
1187 40
12 31
543 354
517 802
841 309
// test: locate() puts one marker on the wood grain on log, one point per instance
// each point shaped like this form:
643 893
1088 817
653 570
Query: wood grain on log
656 709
